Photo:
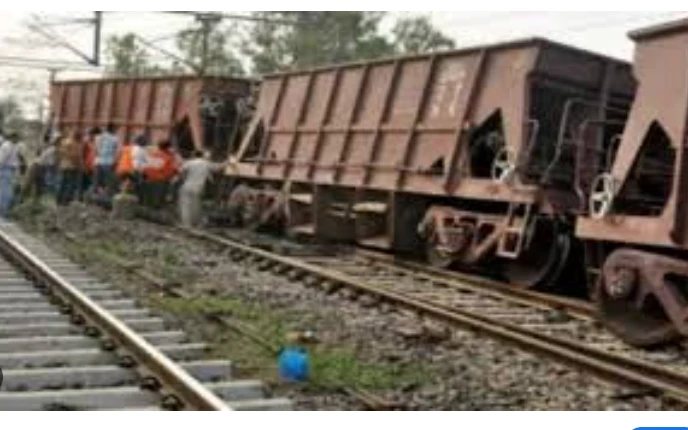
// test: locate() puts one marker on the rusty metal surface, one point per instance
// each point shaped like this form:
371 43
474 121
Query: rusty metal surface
404 124
467 236
157 106
662 29
640 296
660 65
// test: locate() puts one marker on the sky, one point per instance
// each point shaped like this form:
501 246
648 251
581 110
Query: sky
603 32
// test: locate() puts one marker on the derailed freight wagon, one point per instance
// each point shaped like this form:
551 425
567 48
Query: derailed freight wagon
481 156
637 228
205 113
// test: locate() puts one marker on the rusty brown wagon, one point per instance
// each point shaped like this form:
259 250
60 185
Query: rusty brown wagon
480 156
637 227
205 113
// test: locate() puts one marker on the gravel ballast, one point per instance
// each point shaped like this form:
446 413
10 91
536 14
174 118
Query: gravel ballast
410 361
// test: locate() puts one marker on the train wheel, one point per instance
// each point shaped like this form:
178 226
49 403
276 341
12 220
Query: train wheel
438 257
406 236
544 256
628 308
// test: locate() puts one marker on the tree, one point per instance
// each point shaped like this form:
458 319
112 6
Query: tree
316 38
219 59
127 58
128 55
265 47
417 35
11 115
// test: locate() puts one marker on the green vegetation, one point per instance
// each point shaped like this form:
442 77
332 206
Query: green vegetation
127 57
332 368
170 258
321 38
268 323
221 58
120 249
29 214
416 35
339 368
272 44
11 115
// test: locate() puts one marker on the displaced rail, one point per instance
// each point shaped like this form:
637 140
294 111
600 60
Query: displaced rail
483 285
563 329
68 341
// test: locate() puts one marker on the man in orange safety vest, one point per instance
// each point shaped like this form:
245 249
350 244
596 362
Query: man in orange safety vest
161 167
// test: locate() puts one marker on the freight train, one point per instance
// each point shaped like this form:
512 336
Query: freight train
525 159
205 113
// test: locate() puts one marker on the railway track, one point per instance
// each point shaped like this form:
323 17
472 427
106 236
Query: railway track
69 341
561 328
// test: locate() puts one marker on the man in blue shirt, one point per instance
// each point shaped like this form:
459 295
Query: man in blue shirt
107 147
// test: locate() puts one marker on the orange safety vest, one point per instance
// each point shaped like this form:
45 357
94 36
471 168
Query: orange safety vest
125 162
161 166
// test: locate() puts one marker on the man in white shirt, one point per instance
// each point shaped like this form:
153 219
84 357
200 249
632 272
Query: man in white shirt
195 173
139 159
9 167
139 153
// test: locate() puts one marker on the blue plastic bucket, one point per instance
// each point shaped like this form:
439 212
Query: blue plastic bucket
293 364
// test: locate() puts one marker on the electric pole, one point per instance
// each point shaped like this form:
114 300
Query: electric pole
208 22
45 30
97 30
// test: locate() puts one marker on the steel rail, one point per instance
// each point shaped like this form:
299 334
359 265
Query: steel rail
174 380
480 284
620 369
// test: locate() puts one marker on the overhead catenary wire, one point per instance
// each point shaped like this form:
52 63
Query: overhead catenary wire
223 15
68 22
43 63
161 38
37 26
167 53
55 39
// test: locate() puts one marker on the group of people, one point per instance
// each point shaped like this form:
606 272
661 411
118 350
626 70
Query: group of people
99 166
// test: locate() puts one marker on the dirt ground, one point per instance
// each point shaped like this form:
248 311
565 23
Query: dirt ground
413 363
